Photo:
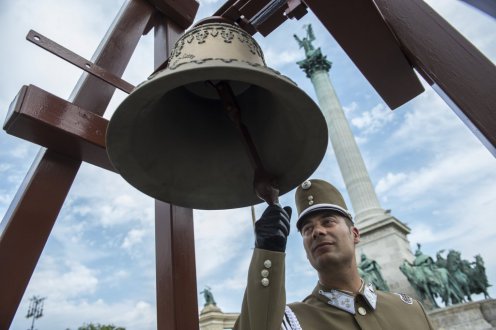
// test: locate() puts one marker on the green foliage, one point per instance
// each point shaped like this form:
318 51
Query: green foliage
98 326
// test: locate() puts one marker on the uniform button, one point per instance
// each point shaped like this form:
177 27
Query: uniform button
264 273
306 185
362 311
267 263
265 281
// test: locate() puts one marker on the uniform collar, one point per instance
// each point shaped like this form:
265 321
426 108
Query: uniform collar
344 300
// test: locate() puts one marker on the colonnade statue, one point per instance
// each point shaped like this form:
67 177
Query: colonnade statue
452 279
370 271
209 297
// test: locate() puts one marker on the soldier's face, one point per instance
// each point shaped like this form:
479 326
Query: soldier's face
328 240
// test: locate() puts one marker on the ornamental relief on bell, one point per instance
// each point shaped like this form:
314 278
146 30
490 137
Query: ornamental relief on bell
209 36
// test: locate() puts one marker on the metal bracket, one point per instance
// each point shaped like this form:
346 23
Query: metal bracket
261 15
82 63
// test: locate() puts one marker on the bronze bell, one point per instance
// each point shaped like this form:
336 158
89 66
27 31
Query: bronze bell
172 139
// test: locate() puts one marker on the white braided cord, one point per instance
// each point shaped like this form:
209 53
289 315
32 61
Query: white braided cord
293 321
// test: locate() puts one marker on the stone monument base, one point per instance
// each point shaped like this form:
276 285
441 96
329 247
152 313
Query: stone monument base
212 318
478 315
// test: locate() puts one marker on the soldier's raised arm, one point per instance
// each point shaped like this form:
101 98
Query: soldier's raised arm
265 296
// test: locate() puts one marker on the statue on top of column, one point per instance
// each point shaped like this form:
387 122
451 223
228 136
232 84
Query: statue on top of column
314 60
306 43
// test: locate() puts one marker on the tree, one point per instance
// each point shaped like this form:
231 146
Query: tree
99 326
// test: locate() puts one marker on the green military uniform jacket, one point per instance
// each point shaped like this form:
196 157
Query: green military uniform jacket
264 304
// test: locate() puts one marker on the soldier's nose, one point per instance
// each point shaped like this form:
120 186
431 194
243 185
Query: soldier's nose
317 231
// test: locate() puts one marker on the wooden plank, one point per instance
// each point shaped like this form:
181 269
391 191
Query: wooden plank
177 296
252 7
464 75
54 123
28 223
272 22
361 31
181 12
177 301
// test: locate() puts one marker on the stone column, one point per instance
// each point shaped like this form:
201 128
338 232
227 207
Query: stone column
383 237
363 197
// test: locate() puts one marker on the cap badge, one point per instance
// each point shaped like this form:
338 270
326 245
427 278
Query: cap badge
305 185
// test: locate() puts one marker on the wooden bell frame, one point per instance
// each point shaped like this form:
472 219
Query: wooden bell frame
393 37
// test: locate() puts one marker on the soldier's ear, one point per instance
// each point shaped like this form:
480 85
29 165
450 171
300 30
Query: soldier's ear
356 234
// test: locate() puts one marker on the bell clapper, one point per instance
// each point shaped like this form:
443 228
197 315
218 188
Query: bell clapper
264 183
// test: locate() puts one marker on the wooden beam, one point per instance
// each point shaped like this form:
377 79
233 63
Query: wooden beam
28 223
177 295
54 123
182 12
440 53
361 31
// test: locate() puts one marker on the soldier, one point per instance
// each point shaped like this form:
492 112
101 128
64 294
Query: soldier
340 300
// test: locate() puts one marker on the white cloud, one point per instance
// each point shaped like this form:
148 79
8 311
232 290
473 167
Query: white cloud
133 237
422 233
219 237
389 181
375 119
463 224
63 280
361 140
443 176
430 122
276 58
236 279
109 201
350 109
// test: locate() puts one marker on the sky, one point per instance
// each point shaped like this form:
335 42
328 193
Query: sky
99 263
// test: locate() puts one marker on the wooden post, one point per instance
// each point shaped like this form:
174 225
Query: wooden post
177 297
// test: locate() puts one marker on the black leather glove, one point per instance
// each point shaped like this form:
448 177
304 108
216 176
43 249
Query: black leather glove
272 229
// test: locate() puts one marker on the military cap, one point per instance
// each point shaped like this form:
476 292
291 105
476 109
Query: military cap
318 195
